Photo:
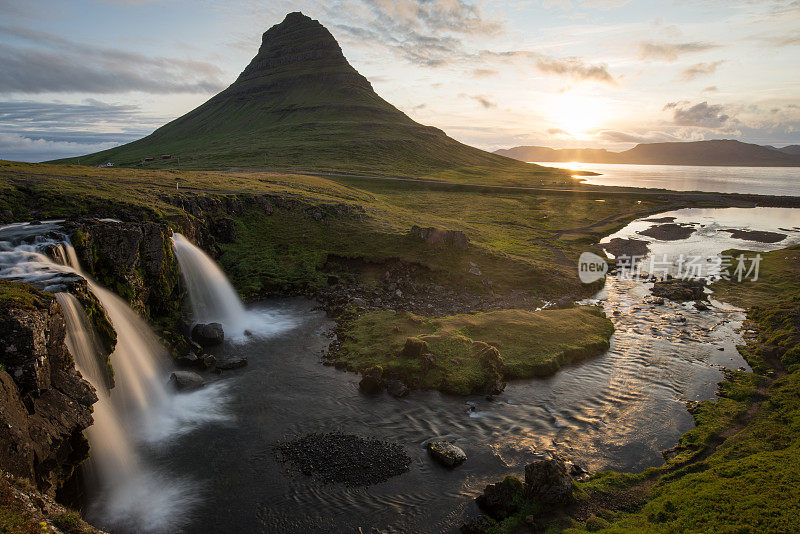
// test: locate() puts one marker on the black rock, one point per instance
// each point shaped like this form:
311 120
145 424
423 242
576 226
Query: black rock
547 480
497 500
186 380
446 453
233 363
208 334
396 388
189 360
371 380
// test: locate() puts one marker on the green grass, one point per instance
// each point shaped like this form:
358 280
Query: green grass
530 344
778 276
20 295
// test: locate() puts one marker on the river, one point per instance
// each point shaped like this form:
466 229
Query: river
616 411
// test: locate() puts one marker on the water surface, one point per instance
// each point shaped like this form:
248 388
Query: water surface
782 181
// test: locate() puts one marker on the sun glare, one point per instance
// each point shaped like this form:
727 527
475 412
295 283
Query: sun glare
576 114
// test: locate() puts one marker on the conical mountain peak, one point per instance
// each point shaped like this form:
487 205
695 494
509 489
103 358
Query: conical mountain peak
300 105
299 45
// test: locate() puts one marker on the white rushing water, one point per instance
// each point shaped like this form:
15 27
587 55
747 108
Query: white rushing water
139 413
213 298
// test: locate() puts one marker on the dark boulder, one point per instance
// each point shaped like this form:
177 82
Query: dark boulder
371 380
188 360
186 380
499 500
446 453
547 480
680 290
208 334
232 363
396 388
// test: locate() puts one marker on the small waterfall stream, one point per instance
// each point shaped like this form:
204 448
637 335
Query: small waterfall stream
213 298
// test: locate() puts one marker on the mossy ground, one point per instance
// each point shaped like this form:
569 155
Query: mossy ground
20 295
530 343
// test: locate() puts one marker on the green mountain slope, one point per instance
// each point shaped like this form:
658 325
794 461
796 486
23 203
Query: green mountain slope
300 105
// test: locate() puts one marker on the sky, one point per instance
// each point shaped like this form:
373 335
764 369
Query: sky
79 76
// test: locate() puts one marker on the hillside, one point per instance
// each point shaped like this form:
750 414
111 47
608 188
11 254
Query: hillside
299 105
724 152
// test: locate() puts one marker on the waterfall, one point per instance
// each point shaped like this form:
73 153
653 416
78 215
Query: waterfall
126 493
212 296
112 455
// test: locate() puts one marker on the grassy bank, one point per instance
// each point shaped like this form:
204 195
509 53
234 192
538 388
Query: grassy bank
529 344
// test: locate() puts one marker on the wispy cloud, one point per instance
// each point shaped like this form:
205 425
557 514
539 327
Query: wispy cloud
671 51
50 63
699 69
484 101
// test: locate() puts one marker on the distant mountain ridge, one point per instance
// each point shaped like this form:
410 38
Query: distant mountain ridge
723 152
300 105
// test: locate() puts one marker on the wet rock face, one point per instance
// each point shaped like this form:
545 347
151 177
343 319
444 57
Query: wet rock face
208 334
134 259
547 480
44 403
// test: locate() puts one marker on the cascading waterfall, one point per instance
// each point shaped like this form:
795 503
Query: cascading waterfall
213 298
127 494
112 455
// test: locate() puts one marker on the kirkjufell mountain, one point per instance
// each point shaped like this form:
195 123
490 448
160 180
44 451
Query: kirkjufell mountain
300 105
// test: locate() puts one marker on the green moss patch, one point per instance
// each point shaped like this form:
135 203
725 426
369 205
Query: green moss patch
529 344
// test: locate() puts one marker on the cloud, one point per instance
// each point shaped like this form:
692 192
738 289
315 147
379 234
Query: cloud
699 69
49 63
430 33
18 147
481 99
36 131
670 51
789 39
711 89
454 16
630 137
702 115
575 68
484 73
558 131
48 113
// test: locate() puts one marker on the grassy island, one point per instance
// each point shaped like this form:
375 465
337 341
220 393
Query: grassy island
528 343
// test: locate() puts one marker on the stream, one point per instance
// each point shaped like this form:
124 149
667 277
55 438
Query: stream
616 411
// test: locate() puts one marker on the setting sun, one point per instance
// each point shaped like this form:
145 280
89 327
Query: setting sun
576 114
